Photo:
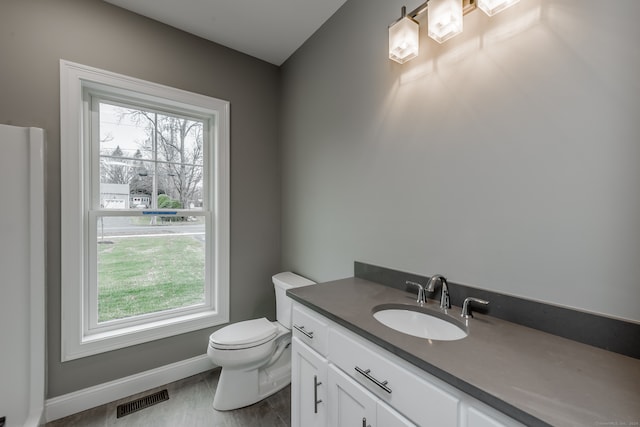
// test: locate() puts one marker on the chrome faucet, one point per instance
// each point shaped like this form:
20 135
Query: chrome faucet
421 295
445 301
466 308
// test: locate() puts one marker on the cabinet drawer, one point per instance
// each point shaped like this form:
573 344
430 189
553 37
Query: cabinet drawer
310 328
420 401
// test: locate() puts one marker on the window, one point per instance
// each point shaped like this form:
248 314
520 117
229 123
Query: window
145 211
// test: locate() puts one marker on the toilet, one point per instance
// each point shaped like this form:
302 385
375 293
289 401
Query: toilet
255 355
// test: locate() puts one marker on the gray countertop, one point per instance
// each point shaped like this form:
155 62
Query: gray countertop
535 377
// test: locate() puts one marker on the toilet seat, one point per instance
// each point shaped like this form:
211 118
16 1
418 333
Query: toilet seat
246 334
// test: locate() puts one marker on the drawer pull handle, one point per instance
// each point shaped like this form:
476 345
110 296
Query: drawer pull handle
367 375
308 334
316 383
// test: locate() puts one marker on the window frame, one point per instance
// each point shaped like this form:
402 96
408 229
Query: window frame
79 337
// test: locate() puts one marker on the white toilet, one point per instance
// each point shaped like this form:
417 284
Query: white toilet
255 355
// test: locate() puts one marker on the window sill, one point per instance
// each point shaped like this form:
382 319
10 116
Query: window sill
99 342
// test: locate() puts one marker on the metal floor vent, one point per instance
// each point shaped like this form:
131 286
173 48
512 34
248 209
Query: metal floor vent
143 402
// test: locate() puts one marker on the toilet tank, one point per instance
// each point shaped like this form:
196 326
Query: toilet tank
282 282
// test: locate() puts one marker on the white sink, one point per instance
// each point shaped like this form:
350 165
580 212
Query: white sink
414 321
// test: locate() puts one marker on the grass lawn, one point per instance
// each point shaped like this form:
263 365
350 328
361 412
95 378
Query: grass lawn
146 274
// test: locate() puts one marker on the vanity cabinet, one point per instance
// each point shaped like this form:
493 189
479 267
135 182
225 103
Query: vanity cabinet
341 379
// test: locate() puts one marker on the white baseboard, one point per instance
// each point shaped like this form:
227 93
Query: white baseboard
81 400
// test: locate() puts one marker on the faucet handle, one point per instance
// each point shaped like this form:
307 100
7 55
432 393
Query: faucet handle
466 309
421 296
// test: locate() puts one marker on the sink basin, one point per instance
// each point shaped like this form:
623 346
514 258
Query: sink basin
419 322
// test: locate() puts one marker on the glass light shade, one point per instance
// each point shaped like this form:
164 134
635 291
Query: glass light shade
403 40
444 19
491 7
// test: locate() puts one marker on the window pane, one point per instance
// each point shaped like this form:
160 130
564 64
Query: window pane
179 140
175 186
148 264
125 133
182 185
150 156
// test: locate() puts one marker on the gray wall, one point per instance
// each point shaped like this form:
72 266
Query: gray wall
34 35
506 158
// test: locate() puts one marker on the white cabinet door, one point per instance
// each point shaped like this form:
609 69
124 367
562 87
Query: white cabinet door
350 404
308 386
387 417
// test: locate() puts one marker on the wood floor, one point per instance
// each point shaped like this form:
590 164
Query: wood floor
189 405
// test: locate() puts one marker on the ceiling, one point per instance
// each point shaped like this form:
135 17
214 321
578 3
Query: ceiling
270 30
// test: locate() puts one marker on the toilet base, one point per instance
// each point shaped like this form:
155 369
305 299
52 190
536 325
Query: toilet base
237 388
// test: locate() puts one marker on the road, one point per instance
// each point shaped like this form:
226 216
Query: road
122 228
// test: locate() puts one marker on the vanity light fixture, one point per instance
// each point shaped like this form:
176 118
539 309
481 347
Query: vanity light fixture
444 21
403 38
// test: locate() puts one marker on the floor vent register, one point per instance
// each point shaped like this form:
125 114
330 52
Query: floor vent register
144 402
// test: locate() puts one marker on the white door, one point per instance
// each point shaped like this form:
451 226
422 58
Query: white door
350 404
308 386
22 275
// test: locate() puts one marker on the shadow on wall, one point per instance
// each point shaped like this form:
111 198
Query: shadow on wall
563 20
487 32
527 41
468 63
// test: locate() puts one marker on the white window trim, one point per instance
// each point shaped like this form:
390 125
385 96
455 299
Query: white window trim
76 341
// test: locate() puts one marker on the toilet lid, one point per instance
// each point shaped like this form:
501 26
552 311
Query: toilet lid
244 334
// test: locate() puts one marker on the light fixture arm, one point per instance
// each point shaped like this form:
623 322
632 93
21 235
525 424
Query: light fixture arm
418 10
415 12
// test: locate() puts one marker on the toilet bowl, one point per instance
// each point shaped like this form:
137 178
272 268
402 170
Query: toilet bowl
255 355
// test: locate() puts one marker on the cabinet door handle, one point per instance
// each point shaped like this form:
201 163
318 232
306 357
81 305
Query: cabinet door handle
364 423
316 383
308 334
367 375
